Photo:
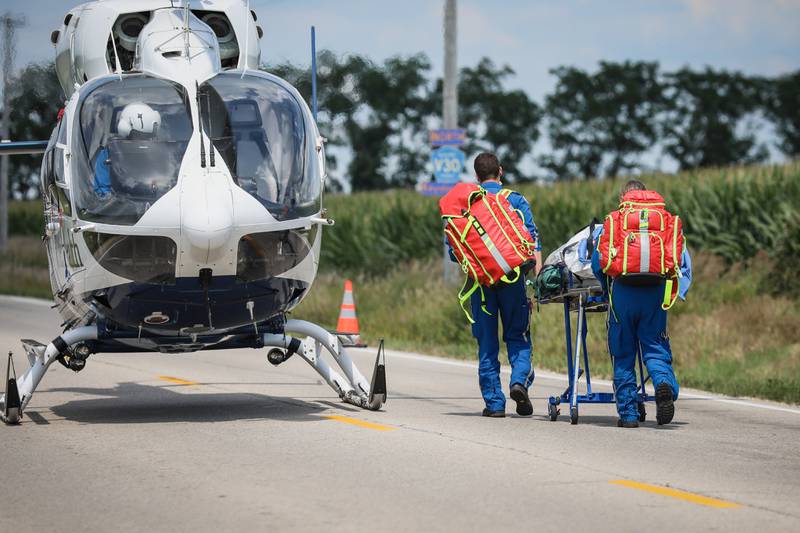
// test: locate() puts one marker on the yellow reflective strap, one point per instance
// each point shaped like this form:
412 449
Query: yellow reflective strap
497 221
517 273
669 299
625 257
464 296
454 240
474 255
675 258
631 205
470 220
483 300
610 238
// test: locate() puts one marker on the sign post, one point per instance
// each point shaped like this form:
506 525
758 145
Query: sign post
448 162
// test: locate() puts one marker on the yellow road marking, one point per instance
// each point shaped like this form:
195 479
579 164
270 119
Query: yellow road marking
178 381
679 494
359 423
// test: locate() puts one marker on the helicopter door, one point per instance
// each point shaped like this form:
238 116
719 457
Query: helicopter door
62 252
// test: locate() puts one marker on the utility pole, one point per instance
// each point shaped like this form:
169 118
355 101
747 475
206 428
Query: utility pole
450 96
450 104
9 24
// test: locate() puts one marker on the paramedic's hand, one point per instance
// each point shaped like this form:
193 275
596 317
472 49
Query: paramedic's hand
538 266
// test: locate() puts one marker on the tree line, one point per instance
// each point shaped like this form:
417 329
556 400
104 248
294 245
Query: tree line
620 118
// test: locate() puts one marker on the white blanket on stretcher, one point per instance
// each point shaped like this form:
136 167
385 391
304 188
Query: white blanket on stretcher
575 255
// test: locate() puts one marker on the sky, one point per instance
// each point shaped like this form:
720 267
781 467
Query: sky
753 36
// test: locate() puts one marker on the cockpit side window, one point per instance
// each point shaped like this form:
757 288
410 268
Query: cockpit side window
131 136
53 182
259 129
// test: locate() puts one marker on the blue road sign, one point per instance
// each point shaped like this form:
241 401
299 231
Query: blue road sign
448 164
432 188
443 137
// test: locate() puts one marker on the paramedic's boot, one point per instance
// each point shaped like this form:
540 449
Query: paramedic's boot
520 395
665 407
493 414
627 423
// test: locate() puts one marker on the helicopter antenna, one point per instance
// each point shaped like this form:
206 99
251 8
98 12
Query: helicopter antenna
116 56
186 30
246 37
314 72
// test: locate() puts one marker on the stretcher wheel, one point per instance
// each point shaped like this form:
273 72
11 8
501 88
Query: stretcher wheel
642 412
573 415
552 410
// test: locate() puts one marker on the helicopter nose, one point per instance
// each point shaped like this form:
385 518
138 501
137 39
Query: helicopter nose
206 218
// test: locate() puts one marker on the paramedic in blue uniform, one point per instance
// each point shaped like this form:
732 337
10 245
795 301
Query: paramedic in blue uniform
509 303
636 319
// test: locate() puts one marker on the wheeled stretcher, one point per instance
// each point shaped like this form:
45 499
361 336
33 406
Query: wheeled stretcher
580 294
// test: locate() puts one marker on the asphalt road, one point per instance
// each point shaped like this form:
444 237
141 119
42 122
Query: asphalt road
222 441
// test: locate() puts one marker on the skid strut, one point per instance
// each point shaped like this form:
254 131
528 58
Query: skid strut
19 391
12 411
352 387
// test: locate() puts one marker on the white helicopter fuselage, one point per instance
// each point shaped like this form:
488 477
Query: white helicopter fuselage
199 229
206 233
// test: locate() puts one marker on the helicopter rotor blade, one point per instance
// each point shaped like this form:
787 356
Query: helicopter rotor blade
22 147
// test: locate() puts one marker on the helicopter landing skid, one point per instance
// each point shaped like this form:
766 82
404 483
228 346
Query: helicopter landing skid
353 387
18 392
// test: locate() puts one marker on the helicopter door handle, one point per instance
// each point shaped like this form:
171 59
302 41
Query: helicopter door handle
322 221
87 227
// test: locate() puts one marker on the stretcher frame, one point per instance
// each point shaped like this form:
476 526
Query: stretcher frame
586 299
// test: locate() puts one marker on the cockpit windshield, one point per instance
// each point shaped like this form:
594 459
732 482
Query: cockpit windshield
258 127
133 133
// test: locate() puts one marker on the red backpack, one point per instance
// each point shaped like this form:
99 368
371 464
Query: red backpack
488 237
642 238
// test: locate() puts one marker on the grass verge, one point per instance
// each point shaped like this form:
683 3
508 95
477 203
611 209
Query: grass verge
731 336
23 268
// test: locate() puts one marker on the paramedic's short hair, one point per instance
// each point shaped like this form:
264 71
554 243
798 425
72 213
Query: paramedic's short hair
632 185
487 166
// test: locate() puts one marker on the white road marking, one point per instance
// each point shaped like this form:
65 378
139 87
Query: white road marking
27 300
543 374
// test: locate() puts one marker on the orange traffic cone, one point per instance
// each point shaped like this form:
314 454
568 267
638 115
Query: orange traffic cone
347 327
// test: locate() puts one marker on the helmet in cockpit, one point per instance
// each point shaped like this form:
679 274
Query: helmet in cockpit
138 121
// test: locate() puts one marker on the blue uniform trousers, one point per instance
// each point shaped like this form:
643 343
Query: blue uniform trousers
509 303
635 320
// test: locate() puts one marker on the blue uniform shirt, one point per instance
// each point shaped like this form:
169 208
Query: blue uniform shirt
519 203
102 176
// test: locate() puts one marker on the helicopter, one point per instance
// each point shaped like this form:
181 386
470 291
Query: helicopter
182 196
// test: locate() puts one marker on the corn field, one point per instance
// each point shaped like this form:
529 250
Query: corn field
731 212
